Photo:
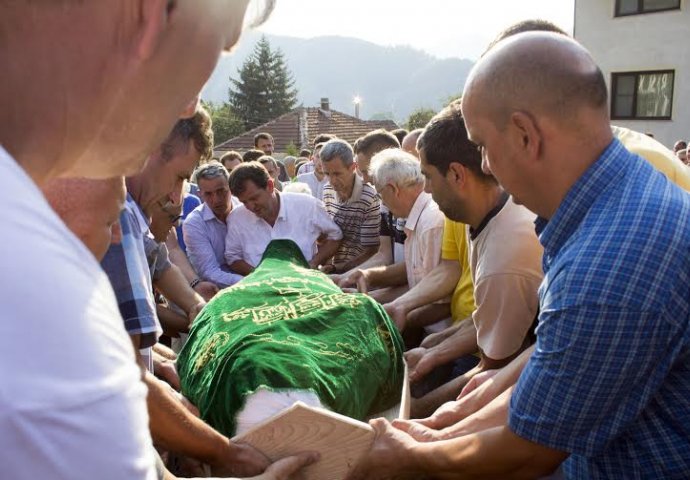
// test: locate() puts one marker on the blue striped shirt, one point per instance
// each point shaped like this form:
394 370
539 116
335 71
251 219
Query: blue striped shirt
609 381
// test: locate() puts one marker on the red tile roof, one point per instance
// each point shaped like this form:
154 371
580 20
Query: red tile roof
290 128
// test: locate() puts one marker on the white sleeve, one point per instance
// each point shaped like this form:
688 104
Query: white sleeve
233 240
324 222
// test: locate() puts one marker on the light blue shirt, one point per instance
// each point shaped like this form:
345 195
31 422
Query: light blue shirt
204 236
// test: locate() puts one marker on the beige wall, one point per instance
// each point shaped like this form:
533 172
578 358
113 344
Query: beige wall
653 41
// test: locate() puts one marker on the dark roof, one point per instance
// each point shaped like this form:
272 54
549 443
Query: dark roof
290 128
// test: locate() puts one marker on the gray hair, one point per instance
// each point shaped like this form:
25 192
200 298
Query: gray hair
337 148
209 171
397 167
289 160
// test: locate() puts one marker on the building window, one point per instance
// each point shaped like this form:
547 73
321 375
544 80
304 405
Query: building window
642 95
635 7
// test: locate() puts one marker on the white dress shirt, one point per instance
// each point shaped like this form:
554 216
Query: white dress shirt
301 218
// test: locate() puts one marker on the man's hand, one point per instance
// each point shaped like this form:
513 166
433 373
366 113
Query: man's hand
446 415
391 456
398 314
419 432
361 279
206 289
419 362
328 268
166 370
194 311
284 468
477 381
241 460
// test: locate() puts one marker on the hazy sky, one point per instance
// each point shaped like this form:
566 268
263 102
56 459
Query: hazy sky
445 28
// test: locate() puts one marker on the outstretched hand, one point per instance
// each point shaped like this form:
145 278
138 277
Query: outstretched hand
390 456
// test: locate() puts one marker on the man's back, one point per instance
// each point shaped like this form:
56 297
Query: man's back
615 307
63 398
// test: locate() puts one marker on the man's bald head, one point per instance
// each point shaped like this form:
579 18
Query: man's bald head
88 207
543 73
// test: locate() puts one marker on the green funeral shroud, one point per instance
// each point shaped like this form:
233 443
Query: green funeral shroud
288 327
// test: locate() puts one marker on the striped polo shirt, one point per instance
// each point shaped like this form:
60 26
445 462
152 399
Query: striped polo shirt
358 217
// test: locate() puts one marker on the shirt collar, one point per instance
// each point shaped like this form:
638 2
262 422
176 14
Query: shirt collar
553 233
502 200
282 210
206 213
418 207
356 189
142 219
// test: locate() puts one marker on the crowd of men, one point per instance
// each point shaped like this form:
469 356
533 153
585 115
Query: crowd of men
535 258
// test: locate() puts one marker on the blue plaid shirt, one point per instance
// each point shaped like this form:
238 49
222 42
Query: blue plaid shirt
128 270
609 381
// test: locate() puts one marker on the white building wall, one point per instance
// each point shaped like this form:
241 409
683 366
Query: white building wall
651 41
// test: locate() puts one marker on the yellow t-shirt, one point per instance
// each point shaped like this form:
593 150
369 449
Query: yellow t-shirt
455 248
656 154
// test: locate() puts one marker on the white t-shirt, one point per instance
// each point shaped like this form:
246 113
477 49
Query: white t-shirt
301 218
505 262
315 185
72 405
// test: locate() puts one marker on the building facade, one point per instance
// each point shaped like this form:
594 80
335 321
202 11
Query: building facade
642 48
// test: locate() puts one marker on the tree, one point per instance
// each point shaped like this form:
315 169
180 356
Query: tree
226 124
419 118
265 88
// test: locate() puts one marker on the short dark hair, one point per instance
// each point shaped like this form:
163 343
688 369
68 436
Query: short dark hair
305 152
262 136
231 155
444 141
196 128
530 25
323 138
252 155
399 134
375 141
252 171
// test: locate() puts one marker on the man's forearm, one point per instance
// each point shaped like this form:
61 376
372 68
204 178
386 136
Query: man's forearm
326 251
489 454
241 267
387 276
439 283
355 262
178 257
382 257
177 430
462 342
173 285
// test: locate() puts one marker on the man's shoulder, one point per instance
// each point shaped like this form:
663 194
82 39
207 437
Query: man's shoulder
195 216
369 196
432 217
240 215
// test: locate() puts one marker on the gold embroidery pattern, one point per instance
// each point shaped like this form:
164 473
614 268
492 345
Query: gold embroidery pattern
265 314
208 352
319 348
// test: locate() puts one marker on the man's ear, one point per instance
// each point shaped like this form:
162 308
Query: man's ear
456 173
154 16
526 132
270 186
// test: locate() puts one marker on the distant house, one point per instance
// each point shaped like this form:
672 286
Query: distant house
301 125
642 48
